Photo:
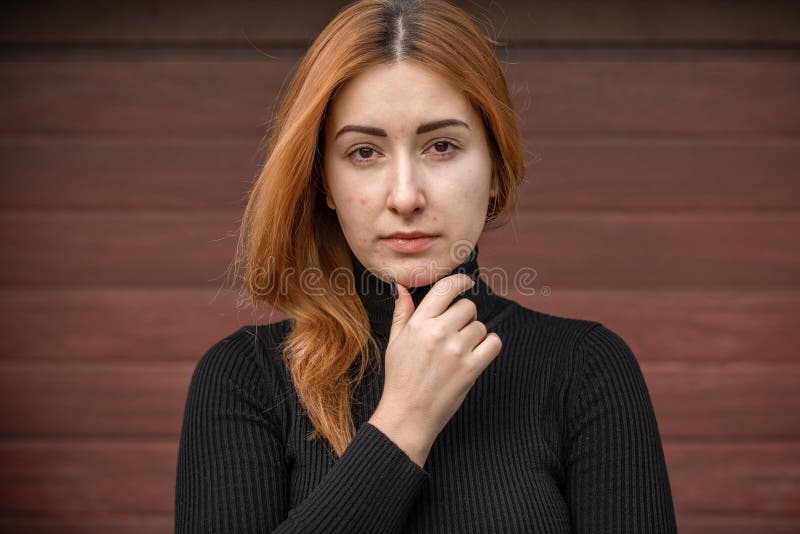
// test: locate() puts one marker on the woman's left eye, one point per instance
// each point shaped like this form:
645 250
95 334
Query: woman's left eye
443 144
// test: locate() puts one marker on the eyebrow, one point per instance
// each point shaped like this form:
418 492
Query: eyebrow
423 128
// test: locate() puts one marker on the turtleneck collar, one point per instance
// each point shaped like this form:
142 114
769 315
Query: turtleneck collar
377 298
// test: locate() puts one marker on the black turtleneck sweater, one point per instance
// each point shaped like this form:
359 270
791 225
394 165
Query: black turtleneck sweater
557 435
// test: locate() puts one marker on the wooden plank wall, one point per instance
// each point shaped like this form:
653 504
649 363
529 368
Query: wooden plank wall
662 200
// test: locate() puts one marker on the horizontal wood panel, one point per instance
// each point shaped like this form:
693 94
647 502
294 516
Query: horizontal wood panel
626 250
42 400
736 478
678 325
735 400
702 21
635 173
120 173
101 248
629 173
736 524
159 524
148 96
150 324
103 480
81 400
644 250
120 324
87 481
653 94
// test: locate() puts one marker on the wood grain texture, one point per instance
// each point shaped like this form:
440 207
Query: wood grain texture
552 94
158 524
138 325
736 524
275 22
107 173
737 477
685 325
653 249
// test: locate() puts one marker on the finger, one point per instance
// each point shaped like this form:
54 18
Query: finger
486 351
462 312
474 333
442 294
403 309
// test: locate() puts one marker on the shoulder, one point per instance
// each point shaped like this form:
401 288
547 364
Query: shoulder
608 378
603 354
591 348
248 343
579 349
249 358
558 332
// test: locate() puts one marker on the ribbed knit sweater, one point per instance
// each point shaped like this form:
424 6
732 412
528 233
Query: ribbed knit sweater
557 435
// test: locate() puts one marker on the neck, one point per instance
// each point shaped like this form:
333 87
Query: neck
376 294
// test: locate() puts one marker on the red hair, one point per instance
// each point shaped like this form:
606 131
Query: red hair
287 227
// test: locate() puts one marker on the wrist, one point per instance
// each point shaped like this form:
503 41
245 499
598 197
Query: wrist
411 440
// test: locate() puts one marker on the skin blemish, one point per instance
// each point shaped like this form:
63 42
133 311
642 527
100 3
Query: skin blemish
363 201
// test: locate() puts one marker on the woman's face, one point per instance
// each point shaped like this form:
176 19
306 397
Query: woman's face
393 165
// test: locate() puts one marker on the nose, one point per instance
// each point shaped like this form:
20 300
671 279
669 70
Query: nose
407 193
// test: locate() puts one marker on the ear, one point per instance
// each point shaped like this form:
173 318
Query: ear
328 197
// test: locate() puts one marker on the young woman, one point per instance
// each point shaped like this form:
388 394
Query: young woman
403 394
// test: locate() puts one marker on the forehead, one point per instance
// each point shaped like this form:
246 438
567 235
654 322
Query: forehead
404 90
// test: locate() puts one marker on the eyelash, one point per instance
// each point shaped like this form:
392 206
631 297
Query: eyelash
440 155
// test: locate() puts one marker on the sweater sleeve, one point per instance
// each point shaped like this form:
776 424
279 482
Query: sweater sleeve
232 475
616 472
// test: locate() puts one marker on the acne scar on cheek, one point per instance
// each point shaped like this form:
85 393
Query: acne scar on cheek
363 201
435 219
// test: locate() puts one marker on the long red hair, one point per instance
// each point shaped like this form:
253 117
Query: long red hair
290 244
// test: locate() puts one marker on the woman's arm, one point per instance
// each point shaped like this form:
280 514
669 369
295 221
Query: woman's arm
231 472
617 475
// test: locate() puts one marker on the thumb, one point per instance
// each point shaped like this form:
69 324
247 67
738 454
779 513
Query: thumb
403 309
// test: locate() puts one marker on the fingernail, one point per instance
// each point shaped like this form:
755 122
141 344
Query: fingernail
393 285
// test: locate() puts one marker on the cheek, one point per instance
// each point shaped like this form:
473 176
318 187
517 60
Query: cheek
354 215
358 204
470 194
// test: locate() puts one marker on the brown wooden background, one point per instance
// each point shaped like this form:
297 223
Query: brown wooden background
662 200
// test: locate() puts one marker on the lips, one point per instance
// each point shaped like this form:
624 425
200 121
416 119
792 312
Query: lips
409 242
408 235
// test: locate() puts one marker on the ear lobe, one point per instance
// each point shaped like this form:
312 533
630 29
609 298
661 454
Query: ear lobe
328 197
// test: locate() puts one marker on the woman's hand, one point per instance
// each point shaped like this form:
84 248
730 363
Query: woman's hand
434 356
